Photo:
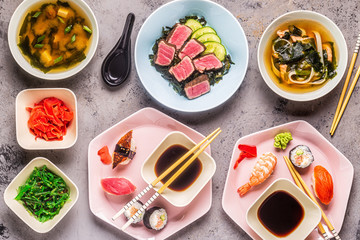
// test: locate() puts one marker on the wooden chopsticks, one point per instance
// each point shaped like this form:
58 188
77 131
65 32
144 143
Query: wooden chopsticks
302 185
208 140
342 105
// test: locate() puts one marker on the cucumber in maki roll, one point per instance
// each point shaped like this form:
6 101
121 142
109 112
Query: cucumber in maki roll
301 156
155 218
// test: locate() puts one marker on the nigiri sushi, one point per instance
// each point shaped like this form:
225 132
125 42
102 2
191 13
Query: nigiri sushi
117 186
261 171
125 150
323 184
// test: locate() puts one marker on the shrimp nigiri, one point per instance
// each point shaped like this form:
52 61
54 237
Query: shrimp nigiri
261 171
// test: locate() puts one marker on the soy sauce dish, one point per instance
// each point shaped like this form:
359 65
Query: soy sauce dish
284 212
51 39
302 55
186 187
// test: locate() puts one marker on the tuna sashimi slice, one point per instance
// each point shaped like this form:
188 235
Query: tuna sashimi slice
179 35
165 53
197 87
117 186
183 69
192 48
207 62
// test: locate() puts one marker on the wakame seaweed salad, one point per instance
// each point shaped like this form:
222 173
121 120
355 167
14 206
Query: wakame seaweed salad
43 194
198 26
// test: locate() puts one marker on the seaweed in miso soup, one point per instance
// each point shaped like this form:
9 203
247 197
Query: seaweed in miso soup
54 36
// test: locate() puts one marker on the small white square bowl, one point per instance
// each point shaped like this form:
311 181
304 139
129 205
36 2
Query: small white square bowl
11 192
27 98
312 213
183 198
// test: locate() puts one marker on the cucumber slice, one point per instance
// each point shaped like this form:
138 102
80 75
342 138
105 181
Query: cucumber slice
202 31
209 37
217 48
193 24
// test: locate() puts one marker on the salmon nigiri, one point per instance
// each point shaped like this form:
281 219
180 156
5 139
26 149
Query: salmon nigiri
323 184
261 171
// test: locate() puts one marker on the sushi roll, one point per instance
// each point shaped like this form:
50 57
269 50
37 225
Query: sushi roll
129 213
155 218
301 156
125 150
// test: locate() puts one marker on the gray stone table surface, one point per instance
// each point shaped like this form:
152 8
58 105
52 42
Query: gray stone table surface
254 107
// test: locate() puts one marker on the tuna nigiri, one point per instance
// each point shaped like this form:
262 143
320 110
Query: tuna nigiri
117 186
261 171
323 184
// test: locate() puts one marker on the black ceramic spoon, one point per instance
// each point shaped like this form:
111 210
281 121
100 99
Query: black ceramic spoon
117 64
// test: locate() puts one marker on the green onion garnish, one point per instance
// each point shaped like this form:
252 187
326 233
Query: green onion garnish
38 45
40 39
61 20
73 38
36 14
86 28
58 59
68 29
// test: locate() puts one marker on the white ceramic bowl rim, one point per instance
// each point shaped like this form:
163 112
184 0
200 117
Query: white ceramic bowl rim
24 63
338 38
194 108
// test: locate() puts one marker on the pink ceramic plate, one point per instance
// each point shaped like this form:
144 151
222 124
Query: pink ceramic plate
149 128
324 153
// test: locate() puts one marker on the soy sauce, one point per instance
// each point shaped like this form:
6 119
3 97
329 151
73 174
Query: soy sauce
186 178
281 213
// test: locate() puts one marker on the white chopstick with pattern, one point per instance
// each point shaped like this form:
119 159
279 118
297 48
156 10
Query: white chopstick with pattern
140 211
129 204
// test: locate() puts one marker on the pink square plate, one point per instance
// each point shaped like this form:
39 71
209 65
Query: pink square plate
325 154
149 128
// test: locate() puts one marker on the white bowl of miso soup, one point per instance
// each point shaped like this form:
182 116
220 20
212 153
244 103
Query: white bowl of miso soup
52 39
302 55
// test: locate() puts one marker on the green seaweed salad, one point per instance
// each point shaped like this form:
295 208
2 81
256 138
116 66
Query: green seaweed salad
215 76
43 194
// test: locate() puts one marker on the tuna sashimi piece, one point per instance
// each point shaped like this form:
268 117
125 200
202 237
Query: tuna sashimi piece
197 87
117 186
192 48
165 53
207 62
183 69
179 35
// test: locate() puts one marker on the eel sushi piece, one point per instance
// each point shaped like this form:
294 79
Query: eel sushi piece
197 87
178 35
207 62
125 150
191 49
183 69
165 53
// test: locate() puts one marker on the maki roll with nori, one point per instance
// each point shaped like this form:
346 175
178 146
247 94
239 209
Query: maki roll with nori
301 156
155 218
130 212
